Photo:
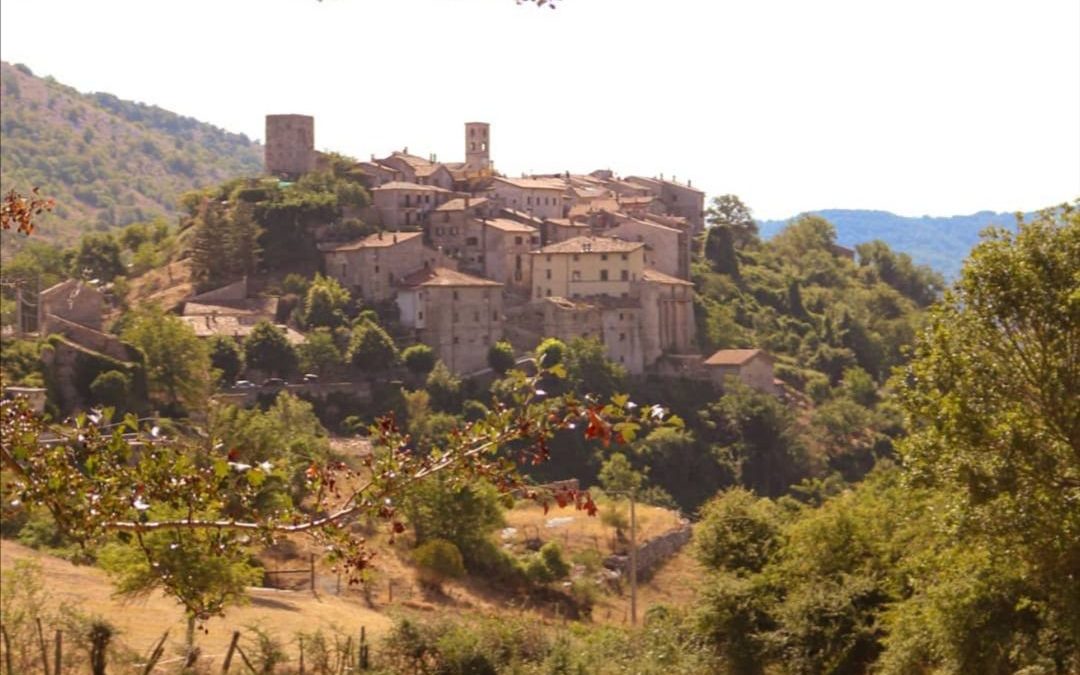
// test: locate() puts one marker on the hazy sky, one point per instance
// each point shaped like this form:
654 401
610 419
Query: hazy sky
918 107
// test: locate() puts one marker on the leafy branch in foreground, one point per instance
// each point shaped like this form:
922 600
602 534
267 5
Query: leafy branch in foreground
18 211
182 499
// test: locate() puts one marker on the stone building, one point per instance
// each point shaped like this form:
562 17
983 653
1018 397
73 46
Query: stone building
70 301
456 314
586 266
370 267
667 306
400 204
752 367
454 228
507 246
615 322
290 145
539 197
477 150
679 200
413 169
667 249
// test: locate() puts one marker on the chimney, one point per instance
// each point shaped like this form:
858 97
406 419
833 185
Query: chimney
395 237
689 183
380 234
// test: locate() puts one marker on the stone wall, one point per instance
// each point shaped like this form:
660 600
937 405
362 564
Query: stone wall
107 344
652 553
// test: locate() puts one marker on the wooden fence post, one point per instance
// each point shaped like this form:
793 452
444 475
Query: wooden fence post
301 656
155 655
58 659
41 643
312 560
7 649
228 654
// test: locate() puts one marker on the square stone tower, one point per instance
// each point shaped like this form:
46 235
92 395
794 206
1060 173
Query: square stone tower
478 148
290 145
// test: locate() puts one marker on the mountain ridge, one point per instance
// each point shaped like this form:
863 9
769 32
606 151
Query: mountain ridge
107 161
942 242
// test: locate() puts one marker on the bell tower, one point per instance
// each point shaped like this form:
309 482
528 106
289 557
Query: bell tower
478 147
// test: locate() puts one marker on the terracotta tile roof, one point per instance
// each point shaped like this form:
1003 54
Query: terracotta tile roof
402 185
444 276
647 223
642 180
592 245
734 357
459 204
377 240
660 277
565 222
507 225
232 326
534 183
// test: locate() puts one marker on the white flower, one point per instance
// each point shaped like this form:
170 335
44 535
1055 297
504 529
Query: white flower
266 466
630 405
240 467
140 505
657 412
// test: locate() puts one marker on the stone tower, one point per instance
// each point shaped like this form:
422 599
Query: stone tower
290 144
477 147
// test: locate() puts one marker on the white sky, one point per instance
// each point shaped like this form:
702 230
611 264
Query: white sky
915 106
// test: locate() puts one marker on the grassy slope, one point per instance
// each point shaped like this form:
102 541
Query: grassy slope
106 161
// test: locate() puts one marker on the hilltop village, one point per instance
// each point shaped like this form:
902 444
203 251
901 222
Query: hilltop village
472 256
461 257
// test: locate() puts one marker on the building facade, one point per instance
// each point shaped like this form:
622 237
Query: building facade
587 266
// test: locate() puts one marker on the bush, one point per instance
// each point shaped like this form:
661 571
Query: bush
438 560
501 357
112 389
419 359
550 352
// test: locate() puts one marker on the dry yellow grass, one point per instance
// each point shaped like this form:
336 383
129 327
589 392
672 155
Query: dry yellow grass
142 621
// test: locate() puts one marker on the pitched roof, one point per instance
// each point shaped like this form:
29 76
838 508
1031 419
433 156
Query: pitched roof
444 276
660 181
247 307
458 204
507 225
402 185
233 326
735 357
592 245
535 183
377 240
660 277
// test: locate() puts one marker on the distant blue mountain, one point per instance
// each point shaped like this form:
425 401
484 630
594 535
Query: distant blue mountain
942 243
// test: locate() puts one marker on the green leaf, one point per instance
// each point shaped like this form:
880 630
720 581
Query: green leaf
221 468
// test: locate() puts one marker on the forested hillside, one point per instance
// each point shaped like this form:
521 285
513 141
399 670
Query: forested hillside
940 242
106 161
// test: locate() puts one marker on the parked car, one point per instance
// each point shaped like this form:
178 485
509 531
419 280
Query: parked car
243 384
273 382
311 378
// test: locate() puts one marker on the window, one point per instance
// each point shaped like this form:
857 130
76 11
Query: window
547 274
624 275
376 269
438 231
603 275
453 231
494 316
455 297
622 337
528 200
575 275
517 240
457 339
539 292
470 241
576 257
476 317
625 257
343 267
446 218
455 318
603 256
549 292
548 258
620 316
420 316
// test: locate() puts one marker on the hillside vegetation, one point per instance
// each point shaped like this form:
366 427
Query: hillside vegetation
106 161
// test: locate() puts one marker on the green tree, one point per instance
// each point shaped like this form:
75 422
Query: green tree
727 212
98 257
444 388
590 370
993 392
550 352
225 356
319 353
738 532
177 362
617 476
371 348
325 303
438 560
268 350
720 251
464 515
501 357
419 359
